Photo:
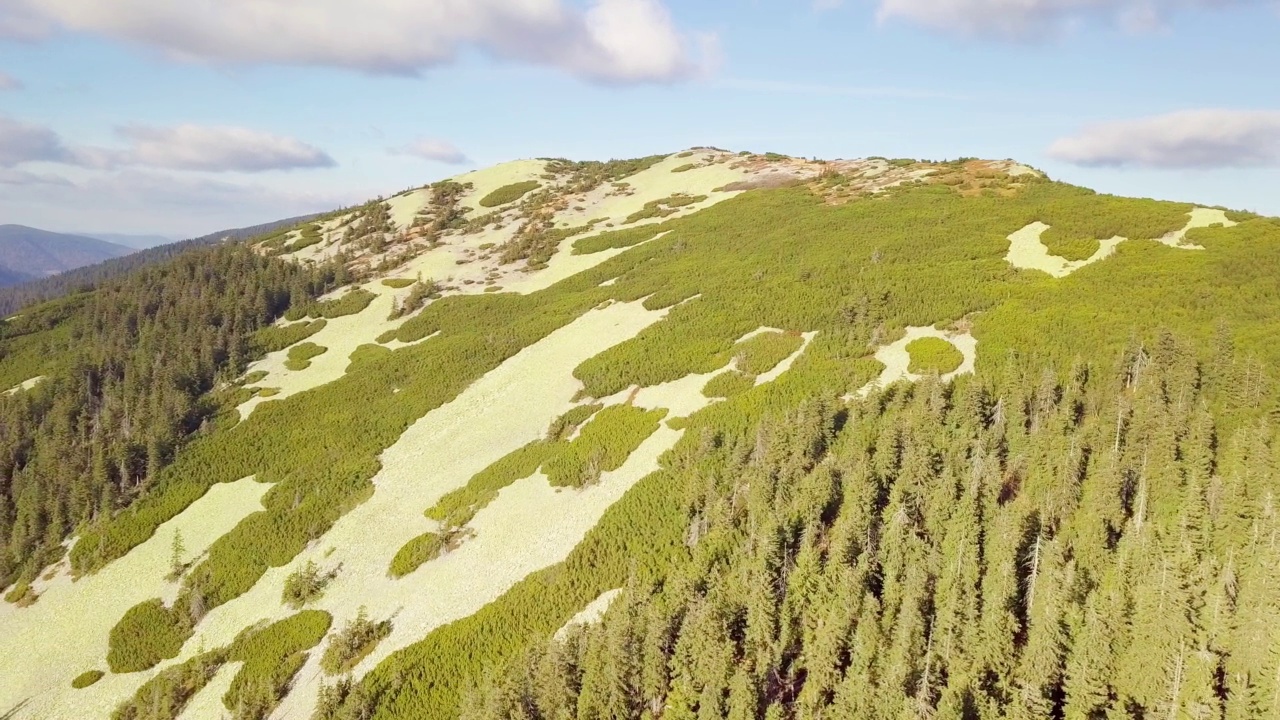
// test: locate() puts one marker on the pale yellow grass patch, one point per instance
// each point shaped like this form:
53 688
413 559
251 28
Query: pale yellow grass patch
1199 218
507 408
405 206
896 359
25 385
492 178
590 614
340 335
44 646
207 704
1027 251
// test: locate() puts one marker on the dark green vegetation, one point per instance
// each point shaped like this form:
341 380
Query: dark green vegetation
271 656
664 207
761 353
348 646
1077 545
146 634
728 383
306 585
509 193
617 239
300 355
397 283
866 560
278 337
351 302
86 678
130 369
931 354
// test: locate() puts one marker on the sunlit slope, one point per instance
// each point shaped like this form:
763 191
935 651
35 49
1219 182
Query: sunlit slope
529 395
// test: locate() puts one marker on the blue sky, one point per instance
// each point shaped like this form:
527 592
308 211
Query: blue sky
180 117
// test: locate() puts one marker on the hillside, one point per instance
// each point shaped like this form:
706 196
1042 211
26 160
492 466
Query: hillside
29 253
702 435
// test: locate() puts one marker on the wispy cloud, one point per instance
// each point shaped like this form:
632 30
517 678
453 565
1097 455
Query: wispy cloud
862 91
1197 139
180 147
1034 19
610 41
433 149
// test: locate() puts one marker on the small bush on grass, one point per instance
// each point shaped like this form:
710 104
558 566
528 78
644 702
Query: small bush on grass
931 354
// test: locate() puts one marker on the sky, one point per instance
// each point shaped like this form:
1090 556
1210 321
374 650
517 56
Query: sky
182 117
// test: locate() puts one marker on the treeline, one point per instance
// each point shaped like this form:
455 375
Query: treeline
86 278
1069 546
129 368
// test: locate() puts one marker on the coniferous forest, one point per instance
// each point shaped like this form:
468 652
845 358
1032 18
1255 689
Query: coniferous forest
130 373
1033 547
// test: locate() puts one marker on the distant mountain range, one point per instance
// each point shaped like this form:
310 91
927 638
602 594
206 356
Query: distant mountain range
19 286
28 253
138 242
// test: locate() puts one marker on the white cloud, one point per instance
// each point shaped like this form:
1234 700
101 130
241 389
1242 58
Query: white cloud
9 82
215 149
435 150
155 202
23 142
624 41
1198 139
1030 19
181 147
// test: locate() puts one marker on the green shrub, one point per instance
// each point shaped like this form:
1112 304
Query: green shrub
684 168
354 301
509 193
309 235
931 354
164 696
300 355
423 549
664 207
627 237
148 633
353 642
305 585
86 678
728 383
274 338
397 283
271 657
602 445
457 507
268 392
761 353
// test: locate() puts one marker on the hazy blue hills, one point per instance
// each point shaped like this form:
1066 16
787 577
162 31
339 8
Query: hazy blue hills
28 253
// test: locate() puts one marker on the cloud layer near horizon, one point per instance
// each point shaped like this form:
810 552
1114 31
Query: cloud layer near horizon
1033 19
1191 139
614 41
206 148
